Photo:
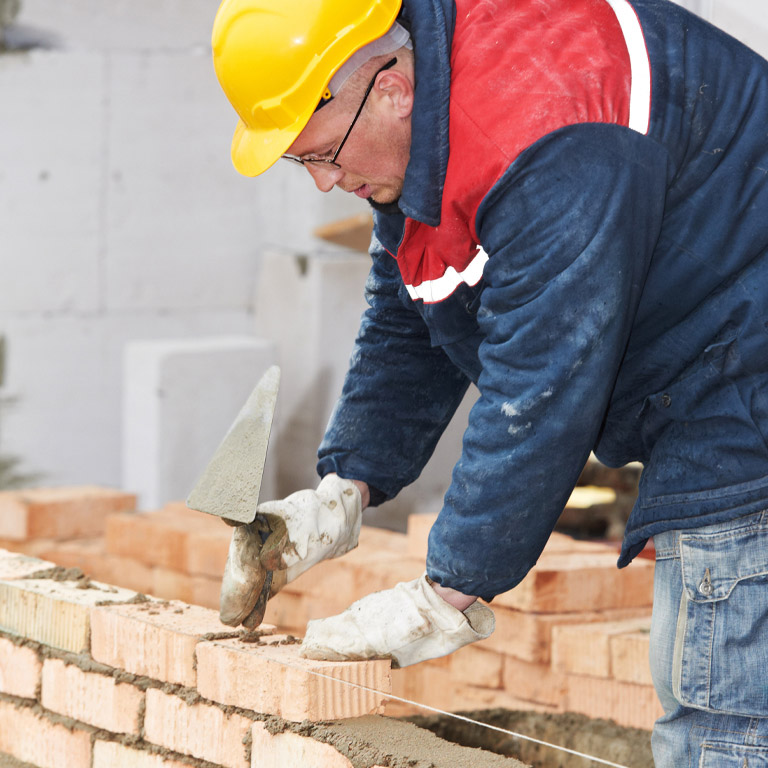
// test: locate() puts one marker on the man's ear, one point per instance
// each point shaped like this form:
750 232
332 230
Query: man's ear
395 89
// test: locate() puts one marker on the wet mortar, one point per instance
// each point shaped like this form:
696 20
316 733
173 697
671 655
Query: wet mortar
601 738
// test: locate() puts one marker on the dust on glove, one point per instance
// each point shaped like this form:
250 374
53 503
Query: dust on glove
408 624
300 531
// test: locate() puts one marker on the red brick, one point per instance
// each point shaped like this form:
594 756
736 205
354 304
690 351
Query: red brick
162 537
207 551
585 649
154 639
340 582
91 698
581 581
534 682
110 754
286 750
200 730
272 678
373 539
91 557
470 697
477 666
148 538
528 636
630 654
59 513
30 547
628 704
55 613
205 591
426 683
417 537
19 670
197 590
168 584
33 738
291 612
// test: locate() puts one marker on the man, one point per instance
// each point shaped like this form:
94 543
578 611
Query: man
571 211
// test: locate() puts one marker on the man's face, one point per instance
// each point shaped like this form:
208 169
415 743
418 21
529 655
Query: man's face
374 158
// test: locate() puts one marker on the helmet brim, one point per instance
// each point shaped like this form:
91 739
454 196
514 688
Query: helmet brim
256 151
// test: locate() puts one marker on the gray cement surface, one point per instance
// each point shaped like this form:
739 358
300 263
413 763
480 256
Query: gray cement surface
375 740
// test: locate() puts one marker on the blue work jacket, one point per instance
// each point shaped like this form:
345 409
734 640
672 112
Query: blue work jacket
623 305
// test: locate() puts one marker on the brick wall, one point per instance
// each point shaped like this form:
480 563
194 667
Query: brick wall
96 676
572 637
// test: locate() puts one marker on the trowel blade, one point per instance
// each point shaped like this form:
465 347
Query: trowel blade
229 486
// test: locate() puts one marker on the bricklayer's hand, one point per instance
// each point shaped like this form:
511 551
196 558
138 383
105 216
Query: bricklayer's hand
301 530
408 624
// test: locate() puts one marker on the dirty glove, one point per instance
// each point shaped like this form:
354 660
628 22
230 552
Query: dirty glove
297 532
408 624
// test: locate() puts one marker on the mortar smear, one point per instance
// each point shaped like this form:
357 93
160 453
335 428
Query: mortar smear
376 740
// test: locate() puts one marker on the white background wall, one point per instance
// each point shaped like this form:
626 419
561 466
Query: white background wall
121 217
746 20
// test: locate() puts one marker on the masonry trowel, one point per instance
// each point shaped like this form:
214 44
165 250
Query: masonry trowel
229 486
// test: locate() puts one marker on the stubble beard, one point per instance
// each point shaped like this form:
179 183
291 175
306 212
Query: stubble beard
387 208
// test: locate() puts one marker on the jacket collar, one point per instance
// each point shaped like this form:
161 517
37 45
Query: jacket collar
431 23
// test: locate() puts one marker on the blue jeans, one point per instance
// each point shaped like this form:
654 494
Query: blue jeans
709 645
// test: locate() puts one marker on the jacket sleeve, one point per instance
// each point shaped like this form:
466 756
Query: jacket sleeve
569 229
399 394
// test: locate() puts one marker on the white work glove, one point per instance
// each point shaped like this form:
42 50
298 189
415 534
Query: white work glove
303 529
408 624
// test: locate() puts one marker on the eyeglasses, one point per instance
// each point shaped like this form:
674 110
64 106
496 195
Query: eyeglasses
324 162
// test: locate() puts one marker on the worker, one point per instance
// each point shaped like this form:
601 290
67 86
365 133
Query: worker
571 212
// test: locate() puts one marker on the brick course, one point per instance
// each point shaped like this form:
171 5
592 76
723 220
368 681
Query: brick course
200 730
573 591
19 670
54 613
109 754
34 738
156 639
274 678
59 513
91 698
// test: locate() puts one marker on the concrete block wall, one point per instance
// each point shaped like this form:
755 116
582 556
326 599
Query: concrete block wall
93 676
573 637
122 218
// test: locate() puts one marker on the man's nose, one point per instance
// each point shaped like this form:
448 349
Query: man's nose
324 175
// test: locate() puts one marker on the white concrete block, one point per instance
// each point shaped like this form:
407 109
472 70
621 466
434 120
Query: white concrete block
65 373
122 24
746 20
182 226
180 398
121 216
50 181
702 8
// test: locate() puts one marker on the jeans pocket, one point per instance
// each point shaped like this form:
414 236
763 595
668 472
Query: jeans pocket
721 645
723 755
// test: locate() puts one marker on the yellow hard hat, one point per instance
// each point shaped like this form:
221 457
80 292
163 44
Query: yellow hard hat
275 58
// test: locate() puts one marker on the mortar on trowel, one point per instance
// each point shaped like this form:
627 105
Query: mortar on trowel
229 486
